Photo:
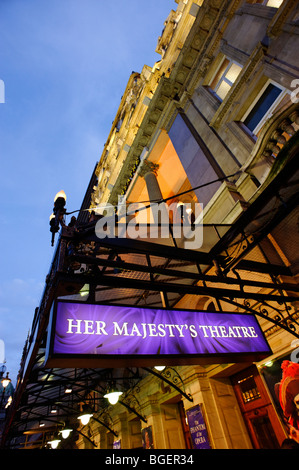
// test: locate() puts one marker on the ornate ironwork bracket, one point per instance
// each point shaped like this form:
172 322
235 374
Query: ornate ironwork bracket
130 401
86 437
132 409
172 378
281 317
105 425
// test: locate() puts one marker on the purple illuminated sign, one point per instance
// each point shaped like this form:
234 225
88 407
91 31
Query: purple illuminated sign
197 428
112 335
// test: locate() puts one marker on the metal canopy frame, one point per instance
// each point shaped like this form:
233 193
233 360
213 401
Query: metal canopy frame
241 271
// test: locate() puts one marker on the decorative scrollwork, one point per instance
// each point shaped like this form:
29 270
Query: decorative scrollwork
263 311
284 317
105 420
131 402
173 378
173 375
286 314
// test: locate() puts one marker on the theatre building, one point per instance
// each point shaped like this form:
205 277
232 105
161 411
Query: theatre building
184 254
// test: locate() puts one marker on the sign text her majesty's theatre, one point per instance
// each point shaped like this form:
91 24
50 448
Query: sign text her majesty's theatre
123 335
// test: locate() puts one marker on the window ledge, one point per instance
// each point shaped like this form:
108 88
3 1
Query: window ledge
242 134
210 96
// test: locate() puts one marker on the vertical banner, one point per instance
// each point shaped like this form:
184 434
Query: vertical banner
117 444
198 429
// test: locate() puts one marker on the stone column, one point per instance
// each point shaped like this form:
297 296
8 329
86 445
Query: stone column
151 410
120 425
225 425
148 170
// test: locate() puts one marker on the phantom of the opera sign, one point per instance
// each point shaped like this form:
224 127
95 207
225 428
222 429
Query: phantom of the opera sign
87 335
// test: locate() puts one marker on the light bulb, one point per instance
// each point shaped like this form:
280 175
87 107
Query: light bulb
113 397
68 389
160 368
54 443
5 381
60 194
65 433
85 418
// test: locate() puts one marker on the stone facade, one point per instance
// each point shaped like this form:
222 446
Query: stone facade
213 125
174 122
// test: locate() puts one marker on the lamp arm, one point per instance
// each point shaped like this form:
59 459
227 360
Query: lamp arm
160 376
86 437
133 411
105 425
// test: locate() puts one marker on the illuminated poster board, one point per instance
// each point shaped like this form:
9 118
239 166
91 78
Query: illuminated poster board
88 335
197 428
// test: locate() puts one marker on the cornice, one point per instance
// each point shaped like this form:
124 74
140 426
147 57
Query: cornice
127 91
143 136
193 61
271 135
169 90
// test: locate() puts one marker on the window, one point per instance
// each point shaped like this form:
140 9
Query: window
199 163
249 389
225 77
274 3
263 107
268 3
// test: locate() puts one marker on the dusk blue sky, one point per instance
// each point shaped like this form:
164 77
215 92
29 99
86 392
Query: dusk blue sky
65 65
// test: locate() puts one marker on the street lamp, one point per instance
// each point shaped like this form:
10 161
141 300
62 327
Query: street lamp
66 431
59 210
85 415
68 389
54 442
113 395
5 381
53 409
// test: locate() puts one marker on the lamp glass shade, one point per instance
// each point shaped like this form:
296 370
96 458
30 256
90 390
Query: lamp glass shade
8 402
5 381
113 397
66 432
84 418
160 368
54 443
60 194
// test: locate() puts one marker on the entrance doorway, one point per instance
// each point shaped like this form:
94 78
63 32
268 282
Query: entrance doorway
262 423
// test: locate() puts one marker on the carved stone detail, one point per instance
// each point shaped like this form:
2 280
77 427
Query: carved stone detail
148 167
